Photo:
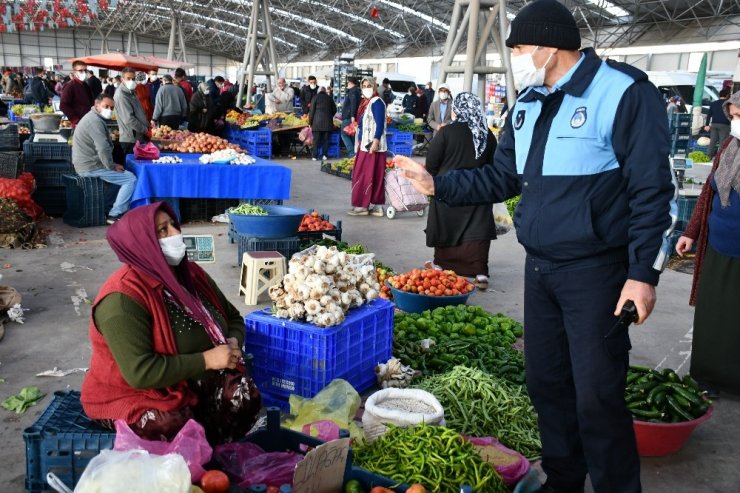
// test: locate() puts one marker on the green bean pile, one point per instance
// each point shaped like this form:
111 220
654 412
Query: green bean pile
248 210
434 456
481 405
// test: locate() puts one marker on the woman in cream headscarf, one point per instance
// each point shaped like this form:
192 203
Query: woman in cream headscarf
715 226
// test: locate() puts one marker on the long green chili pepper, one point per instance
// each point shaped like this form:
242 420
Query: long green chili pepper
482 405
446 461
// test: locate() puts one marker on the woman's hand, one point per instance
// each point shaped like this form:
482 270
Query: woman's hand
374 146
416 173
223 356
684 245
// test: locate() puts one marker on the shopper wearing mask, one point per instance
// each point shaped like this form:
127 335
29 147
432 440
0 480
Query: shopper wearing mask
368 175
440 112
308 92
142 93
715 228
110 91
153 84
77 98
321 119
202 110
92 155
166 343
171 106
132 121
38 93
349 111
388 96
587 148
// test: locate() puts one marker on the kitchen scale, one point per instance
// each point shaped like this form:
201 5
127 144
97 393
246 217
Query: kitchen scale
679 165
200 248
49 138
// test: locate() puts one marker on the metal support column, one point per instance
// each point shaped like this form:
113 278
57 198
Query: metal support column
262 61
132 44
176 47
477 18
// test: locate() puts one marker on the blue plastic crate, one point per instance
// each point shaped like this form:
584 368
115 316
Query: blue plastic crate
682 130
85 201
286 246
681 120
681 147
49 173
397 137
63 441
262 135
300 358
52 200
401 149
334 138
681 137
35 151
259 150
334 151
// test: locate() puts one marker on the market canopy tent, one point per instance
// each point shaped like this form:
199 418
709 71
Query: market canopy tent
117 61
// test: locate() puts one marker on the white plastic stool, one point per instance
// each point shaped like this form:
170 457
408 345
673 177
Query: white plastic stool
260 271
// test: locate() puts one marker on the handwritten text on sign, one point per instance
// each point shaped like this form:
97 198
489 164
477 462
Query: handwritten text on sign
322 470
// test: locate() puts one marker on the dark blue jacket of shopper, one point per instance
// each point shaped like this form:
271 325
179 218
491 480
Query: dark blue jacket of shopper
351 103
583 204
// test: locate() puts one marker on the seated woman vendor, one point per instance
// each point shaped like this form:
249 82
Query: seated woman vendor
165 341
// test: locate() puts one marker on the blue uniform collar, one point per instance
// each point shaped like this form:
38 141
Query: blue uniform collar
574 82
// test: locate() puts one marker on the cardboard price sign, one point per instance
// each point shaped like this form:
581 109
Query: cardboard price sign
322 471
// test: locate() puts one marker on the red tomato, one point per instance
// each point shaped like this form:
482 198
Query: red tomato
214 482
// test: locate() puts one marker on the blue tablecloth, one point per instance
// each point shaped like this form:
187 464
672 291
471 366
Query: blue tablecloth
191 179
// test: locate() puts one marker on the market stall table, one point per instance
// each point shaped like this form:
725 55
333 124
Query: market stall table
192 179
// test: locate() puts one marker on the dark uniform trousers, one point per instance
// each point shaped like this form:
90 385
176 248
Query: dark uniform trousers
576 378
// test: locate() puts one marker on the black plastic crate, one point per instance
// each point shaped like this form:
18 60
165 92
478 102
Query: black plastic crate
35 151
49 173
53 200
286 246
9 140
11 164
204 209
336 233
63 441
88 200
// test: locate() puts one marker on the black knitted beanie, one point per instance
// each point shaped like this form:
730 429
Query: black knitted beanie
545 23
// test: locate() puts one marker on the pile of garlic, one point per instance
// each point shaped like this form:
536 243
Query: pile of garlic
322 285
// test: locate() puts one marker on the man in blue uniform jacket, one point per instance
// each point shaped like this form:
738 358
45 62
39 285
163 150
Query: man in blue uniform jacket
586 145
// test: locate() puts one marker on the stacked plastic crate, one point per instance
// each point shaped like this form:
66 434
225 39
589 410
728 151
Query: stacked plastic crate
257 142
680 133
334 139
11 159
48 162
399 143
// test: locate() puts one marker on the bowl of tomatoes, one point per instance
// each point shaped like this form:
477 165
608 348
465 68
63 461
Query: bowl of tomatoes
426 289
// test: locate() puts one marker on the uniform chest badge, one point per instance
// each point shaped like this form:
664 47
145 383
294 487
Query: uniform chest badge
519 120
578 118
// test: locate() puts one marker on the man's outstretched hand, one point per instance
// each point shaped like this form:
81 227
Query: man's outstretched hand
416 174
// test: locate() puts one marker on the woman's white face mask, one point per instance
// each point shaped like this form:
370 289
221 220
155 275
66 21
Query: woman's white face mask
367 92
735 128
525 72
173 249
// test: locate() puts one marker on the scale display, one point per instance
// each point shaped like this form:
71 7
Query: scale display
200 248
682 163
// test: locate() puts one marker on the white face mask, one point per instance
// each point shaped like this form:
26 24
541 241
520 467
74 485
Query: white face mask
443 96
735 128
525 73
312 86
130 84
367 92
152 78
208 92
106 113
81 76
173 249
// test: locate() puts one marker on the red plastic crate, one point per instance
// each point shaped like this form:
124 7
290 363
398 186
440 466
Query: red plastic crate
300 358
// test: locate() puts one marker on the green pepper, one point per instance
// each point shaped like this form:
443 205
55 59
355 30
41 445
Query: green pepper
353 486
469 329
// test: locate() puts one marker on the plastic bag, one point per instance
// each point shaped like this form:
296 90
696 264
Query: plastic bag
338 402
135 471
376 416
502 218
306 136
351 129
145 151
510 464
190 443
246 464
401 194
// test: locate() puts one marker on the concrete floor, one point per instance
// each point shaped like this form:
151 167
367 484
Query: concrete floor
55 332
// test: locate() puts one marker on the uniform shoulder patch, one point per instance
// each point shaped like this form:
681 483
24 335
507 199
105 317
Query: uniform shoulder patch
579 117
519 120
